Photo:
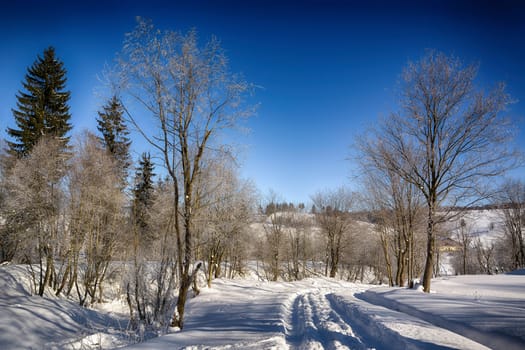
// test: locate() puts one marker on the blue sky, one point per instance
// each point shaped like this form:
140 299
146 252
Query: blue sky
327 69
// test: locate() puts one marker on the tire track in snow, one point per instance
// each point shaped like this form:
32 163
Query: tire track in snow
316 325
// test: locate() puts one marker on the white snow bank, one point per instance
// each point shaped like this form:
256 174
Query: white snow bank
393 330
487 309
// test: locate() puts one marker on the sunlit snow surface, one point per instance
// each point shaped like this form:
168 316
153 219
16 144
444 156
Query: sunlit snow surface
463 312
50 322
488 309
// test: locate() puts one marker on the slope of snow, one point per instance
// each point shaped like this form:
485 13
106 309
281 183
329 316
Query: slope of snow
33 322
485 225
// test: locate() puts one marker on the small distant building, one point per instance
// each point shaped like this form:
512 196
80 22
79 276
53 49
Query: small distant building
447 245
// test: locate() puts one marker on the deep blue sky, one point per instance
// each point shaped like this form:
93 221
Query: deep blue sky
328 69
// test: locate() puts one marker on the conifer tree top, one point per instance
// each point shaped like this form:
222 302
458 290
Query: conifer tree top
42 105
114 133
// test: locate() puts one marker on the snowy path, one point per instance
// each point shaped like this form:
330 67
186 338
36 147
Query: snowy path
311 314
317 325
339 321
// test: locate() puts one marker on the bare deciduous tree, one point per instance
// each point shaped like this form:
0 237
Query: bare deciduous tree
513 200
226 210
397 207
464 238
8 240
97 218
485 252
449 139
333 209
35 208
298 244
152 277
275 230
191 96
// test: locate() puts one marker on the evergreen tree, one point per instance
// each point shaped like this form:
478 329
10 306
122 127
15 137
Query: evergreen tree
115 133
42 108
143 193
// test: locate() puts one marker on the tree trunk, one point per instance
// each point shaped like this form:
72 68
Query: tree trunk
521 247
401 264
429 264
188 250
211 268
186 283
64 279
334 257
384 245
465 247
181 301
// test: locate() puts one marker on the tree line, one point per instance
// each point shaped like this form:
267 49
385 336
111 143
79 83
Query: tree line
79 210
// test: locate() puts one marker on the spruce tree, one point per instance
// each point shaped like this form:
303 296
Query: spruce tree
42 106
115 133
143 193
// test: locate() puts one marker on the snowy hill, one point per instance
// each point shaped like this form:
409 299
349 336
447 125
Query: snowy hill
487 225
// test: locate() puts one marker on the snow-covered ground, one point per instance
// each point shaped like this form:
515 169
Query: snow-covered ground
32 322
486 309
328 314
463 312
